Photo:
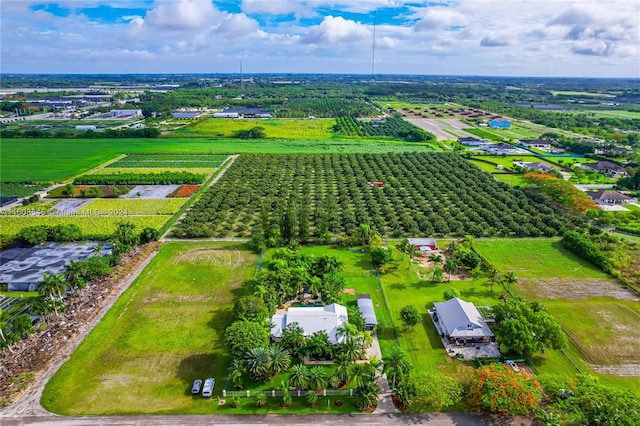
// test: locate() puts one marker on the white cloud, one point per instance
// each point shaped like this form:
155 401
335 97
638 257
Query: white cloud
495 41
439 17
181 15
237 25
337 30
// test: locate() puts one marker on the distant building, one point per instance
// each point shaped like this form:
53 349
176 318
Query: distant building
244 113
185 115
501 148
607 168
425 245
535 143
470 141
500 123
539 166
125 113
138 126
86 127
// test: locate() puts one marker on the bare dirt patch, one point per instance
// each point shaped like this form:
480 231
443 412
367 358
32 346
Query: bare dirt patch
572 289
349 291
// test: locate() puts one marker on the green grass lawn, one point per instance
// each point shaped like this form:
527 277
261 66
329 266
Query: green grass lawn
282 128
165 331
59 159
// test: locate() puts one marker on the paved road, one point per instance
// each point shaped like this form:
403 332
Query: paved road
439 419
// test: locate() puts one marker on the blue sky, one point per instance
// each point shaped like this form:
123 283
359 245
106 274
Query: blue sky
591 38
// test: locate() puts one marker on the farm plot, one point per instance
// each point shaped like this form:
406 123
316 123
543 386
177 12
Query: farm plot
274 128
595 311
423 194
165 331
127 207
169 161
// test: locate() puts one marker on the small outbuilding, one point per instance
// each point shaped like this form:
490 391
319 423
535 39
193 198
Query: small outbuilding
425 245
366 308
500 123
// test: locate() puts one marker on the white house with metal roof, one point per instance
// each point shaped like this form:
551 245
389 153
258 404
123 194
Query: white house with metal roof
461 322
312 319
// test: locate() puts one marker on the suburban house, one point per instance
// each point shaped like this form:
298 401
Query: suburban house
123 113
312 319
608 196
614 151
185 115
366 308
500 123
469 141
539 166
607 168
461 323
501 148
425 245
535 143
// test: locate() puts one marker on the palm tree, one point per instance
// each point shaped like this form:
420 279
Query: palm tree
237 369
73 273
364 233
299 377
312 398
335 381
435 258
366 339
412 251
261 400
494 277
258 364
286 396
452 249
52 284
511 279
317 378
360 373
343 363
403 247
315 284
436 275
352 348
279 360
451 266
396 364
468 241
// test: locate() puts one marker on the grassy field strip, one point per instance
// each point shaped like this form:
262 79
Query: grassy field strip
151 170
284 128
165 331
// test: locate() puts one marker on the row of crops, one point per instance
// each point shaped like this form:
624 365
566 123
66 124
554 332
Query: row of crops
327 107
423 194
394 127
169 161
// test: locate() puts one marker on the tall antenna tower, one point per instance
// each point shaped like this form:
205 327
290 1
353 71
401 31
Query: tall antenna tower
241 78
373 47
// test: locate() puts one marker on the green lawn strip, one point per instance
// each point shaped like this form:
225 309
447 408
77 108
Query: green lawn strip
165 331
60 159
150 170
94 226
536 258
283 128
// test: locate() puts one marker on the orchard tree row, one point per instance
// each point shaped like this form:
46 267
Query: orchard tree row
304 197
394 127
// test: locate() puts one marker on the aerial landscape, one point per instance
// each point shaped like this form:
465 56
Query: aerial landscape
318 212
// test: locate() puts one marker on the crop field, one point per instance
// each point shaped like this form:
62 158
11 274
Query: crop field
594 310
281 128
124 206
423 194
60 159
11 189
169 161
152 170
102 226
165 331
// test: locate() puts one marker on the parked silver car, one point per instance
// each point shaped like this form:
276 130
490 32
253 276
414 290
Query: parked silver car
207 389
195 389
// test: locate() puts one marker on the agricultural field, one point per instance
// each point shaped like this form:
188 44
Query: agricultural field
325 107
61 159
594 309
151 170
134 207
93 226
390 127
422 194
281 128
175 161
13 189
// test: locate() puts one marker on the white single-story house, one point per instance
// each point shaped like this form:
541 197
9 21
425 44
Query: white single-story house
461 322
535 143
366 308
312 319
540 166
502 148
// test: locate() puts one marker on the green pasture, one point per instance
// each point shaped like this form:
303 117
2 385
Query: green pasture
166 330
127 206
150 170
281 128
60 159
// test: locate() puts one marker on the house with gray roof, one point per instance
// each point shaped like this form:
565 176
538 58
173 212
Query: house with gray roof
539 165
607 168
607 196
312 319
461 322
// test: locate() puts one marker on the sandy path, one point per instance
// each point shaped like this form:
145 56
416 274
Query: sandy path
29 403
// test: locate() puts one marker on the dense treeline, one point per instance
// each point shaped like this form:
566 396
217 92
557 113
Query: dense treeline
148 132
585 248
163 178
319 196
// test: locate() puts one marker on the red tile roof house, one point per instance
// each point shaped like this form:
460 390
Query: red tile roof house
606 196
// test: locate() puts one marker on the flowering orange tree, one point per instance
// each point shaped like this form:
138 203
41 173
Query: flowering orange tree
498 389
560 190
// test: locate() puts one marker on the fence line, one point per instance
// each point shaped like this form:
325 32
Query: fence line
276 393
386 304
